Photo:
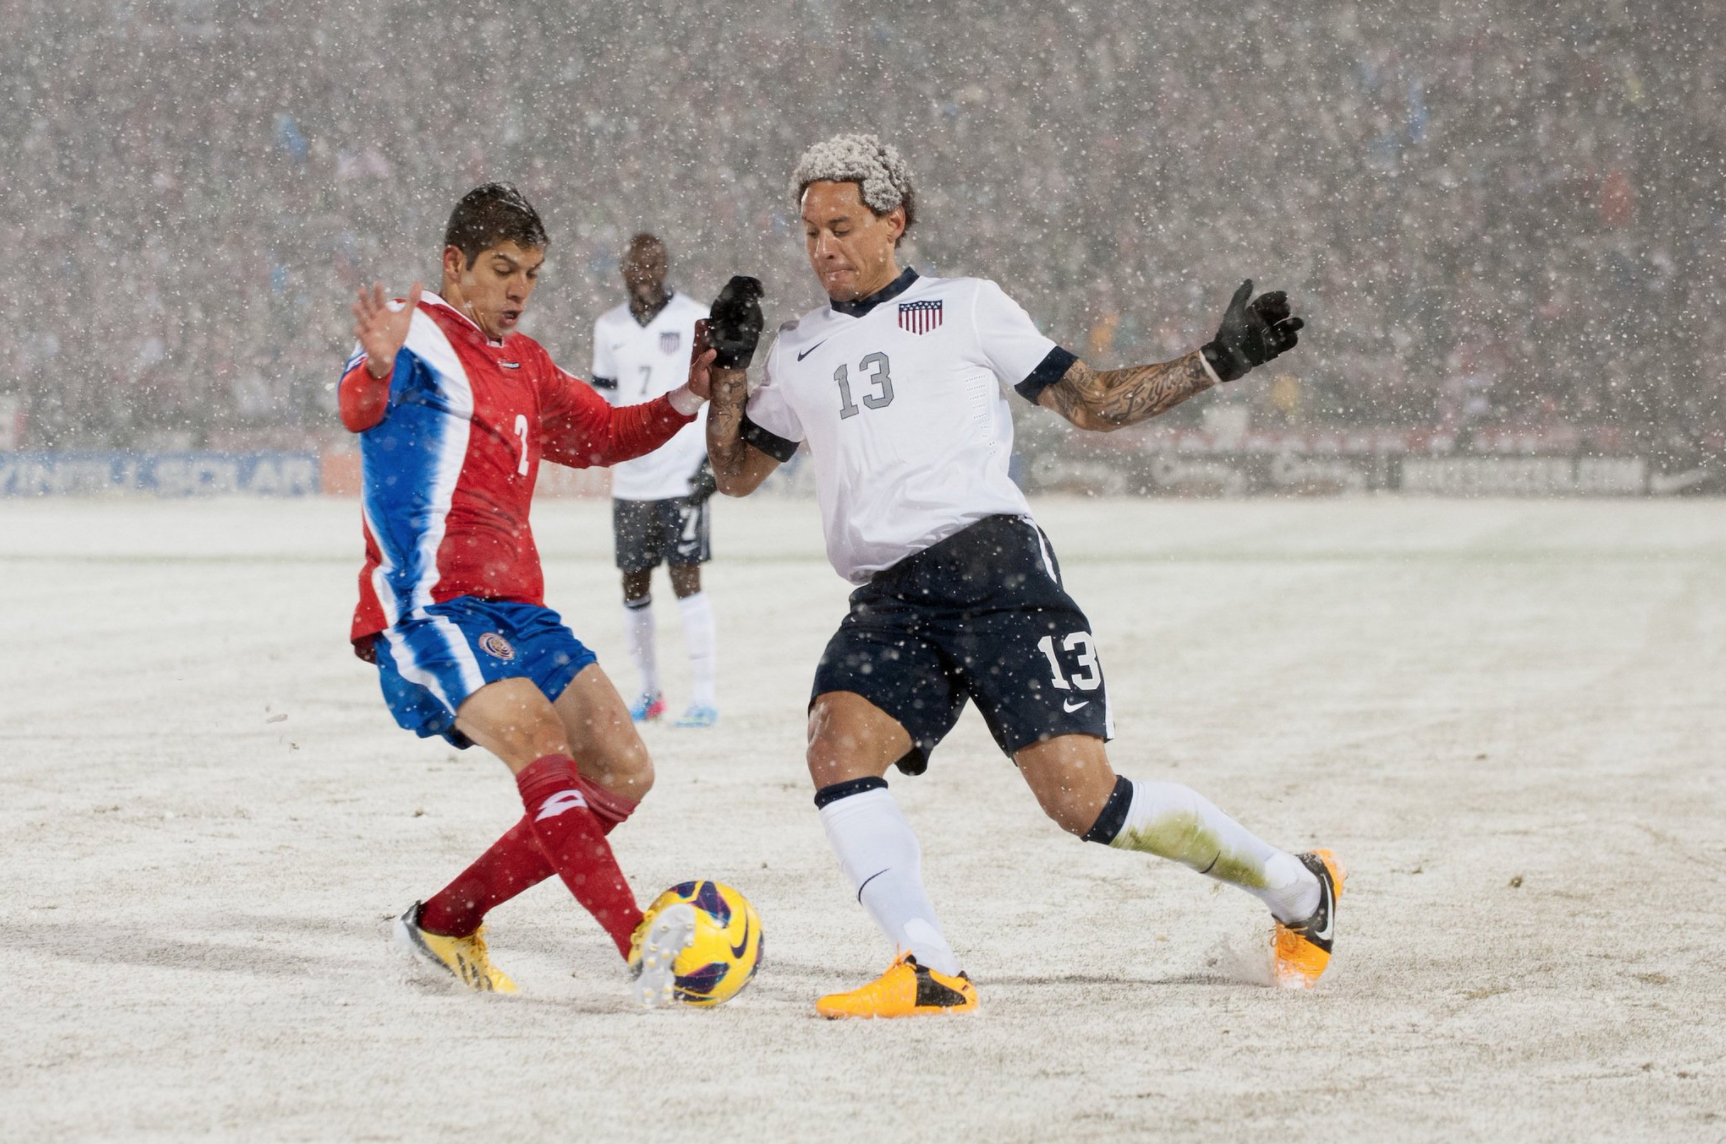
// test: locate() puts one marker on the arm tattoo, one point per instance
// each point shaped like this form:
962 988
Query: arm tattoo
725 442
1117 397
735 470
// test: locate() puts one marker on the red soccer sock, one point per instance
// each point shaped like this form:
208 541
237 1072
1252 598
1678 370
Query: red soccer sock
571 836
514 863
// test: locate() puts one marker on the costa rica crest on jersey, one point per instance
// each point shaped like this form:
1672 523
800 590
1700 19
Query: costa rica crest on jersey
920 317
669 340
496 646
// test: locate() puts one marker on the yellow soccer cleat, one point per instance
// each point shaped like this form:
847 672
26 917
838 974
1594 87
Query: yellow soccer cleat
1302 949
464 958
905 990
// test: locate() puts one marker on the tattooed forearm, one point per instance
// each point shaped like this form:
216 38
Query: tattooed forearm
1112 398
738 467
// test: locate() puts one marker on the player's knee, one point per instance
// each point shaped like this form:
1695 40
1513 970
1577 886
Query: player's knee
623 764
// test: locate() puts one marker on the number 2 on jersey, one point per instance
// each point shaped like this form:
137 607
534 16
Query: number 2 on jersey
881 378
521 431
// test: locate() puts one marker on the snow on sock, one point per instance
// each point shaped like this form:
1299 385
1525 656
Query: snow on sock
698 634
513 864
881 859
638 636
1176 822
572 836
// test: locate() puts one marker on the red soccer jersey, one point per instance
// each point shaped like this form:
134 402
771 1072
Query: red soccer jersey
450 465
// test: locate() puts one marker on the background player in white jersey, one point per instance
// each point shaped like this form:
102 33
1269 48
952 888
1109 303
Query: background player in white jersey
659 508
894 388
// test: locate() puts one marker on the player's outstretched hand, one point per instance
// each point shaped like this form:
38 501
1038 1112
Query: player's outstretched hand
380 330
1252 333
701 363
734 324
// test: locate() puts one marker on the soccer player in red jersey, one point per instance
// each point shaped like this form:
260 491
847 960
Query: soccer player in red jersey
455 410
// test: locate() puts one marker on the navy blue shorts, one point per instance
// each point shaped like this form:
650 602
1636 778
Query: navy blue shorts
432 660
655 532
982 616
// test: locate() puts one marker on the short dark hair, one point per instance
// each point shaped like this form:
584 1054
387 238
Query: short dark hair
489 215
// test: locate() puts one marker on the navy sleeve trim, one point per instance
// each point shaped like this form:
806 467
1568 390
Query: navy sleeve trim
772 444
1051 369
848 788
603 383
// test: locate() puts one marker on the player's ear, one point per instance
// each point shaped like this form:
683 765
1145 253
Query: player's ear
896 223
454 262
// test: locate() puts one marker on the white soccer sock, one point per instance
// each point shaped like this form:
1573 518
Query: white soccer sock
698 634
1178 823
638 637
881 859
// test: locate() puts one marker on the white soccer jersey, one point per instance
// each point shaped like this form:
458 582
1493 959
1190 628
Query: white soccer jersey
898 398
634 363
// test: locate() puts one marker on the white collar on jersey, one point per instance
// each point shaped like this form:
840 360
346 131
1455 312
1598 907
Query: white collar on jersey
431 296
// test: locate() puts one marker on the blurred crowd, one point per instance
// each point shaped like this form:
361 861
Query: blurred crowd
1490 214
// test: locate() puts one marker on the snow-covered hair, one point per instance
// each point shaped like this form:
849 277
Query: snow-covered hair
880 172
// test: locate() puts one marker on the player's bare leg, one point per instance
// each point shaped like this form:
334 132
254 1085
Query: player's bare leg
852 742
641 638
602 737
1076 786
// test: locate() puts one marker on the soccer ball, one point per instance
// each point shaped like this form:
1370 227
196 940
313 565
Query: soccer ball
724 952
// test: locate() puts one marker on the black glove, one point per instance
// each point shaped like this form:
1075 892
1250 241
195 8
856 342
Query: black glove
701 484
734 323
1251 334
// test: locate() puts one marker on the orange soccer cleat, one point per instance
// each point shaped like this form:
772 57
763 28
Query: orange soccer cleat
905 990
1302 949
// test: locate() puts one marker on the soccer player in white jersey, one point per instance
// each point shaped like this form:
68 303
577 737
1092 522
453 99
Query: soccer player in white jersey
659 507
894 388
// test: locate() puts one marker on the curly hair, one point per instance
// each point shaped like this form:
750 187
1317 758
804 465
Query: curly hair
882 176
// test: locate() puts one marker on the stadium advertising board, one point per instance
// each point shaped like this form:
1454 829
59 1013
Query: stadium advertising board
282 474
1570 462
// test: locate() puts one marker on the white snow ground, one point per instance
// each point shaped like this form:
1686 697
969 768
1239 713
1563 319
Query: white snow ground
1508 717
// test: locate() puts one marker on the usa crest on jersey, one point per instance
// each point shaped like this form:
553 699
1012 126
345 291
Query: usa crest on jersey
669 340
920 317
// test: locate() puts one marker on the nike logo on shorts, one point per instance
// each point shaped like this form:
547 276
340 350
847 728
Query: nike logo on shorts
1069 706
811 349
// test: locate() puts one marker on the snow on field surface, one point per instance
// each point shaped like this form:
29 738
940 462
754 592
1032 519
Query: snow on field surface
1508 717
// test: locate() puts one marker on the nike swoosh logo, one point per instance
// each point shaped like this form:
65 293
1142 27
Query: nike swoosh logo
737 950
510 364
1069 706
1329 912
811 349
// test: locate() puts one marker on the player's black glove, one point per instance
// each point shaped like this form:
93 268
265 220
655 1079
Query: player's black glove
1251 334
734 323
701 484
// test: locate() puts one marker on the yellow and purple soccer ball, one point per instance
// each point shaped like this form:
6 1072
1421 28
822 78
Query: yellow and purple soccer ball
726 950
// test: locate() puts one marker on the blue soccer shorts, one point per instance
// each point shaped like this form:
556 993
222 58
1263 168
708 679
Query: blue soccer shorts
432 660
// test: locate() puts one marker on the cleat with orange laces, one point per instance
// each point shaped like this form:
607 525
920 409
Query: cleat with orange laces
905 990
1303 948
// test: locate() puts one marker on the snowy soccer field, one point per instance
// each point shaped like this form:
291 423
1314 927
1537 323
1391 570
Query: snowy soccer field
1507 717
